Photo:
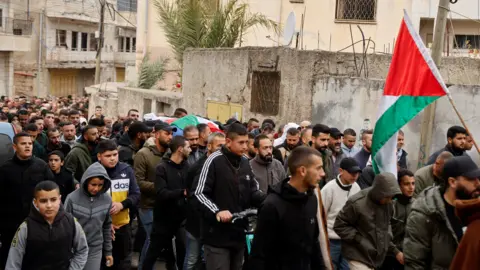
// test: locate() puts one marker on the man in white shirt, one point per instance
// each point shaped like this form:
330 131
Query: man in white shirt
334 196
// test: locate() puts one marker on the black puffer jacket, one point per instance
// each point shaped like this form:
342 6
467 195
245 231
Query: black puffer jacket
126 150
287 232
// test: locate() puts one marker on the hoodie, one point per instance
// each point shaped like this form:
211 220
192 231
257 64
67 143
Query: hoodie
93 212
286 236
126 149
364 224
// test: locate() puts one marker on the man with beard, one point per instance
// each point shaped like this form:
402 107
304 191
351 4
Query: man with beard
69 133
431 175
74 118
23 117
456 136
145 164
267 170
41 137
203 133
170 206
54 142
19 175
251 148
286 236
83 154
335 145
192 136
320 140
432 220
292 140
364 154
137 133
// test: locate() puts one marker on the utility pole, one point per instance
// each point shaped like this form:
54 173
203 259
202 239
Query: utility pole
100 41
429 112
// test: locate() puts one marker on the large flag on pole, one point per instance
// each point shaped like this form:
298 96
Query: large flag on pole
413 82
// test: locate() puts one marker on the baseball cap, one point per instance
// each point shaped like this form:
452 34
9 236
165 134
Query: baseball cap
231 121
461 166
350 165
335 133
164 126
137 127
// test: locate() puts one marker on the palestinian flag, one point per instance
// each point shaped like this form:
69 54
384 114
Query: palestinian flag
413 82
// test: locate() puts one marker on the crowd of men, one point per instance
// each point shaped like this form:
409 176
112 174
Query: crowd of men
76 186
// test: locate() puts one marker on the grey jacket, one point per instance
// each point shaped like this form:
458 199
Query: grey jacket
430 242
336 163
267 173
93 212
17 250
424 179
364 224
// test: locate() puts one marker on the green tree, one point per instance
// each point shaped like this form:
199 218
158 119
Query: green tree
206 24
150 72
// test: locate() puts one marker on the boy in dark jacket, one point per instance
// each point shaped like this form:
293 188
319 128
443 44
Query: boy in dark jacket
286 235
125 195
170 205
62 177
49 238
90 205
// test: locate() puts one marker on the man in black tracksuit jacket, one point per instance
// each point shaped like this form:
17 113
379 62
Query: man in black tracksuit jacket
226 186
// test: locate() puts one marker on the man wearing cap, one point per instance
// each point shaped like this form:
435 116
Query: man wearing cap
433 230
334 197
335 145
145 164
363 224
138 133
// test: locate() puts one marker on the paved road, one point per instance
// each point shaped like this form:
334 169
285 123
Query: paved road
158 265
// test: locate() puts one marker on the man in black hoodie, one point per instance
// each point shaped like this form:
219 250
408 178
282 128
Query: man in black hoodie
62 177
19 176
169 212
132 141
226 185
287 231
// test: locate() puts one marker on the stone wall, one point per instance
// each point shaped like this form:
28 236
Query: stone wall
226 75
24 84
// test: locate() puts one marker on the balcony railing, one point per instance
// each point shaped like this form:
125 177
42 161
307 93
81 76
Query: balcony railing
16 27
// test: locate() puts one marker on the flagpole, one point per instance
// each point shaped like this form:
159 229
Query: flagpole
429 112
463 121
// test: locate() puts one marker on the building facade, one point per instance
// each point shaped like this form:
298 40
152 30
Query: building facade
15 36
65 40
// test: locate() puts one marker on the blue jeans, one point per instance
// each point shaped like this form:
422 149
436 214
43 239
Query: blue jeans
193 252
339 262
146 216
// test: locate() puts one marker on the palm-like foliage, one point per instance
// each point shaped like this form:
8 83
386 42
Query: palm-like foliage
150 72
200 24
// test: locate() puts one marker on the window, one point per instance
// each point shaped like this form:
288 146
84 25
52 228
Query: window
84 41
17 32
134 44
265 97
467 42
61 38
356 10
93 42
1 17
121 42
127 5
296 1
127 47
74 41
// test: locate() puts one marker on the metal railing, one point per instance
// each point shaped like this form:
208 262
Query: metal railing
13 26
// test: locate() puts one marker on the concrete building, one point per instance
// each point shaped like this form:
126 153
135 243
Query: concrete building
65 40
15 36
291 85
327 23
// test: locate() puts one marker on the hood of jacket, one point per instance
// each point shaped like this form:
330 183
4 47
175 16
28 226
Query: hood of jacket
96 170
35 214
289 193
82 146
155 150
120 167
124 140
385 185
468 210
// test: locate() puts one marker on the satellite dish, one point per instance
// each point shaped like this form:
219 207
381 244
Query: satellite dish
289 30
